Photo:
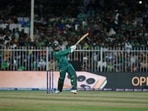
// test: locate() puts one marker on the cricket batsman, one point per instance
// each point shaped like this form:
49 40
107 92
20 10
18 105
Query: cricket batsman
64 66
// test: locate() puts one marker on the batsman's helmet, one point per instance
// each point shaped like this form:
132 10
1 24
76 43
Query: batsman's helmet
55 45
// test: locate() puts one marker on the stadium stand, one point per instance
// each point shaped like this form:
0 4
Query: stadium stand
122 25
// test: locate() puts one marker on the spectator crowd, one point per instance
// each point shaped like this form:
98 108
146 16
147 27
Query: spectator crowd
120 23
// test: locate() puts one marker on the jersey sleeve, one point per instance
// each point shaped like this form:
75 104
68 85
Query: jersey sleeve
64 52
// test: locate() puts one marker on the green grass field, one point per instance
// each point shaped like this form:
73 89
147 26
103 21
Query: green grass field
65 101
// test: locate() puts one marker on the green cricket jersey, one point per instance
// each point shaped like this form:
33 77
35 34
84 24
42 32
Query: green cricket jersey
61 57
64 66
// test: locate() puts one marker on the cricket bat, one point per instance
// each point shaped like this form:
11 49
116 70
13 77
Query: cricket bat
85 35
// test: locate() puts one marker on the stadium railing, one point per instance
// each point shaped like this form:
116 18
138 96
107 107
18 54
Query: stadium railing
103 59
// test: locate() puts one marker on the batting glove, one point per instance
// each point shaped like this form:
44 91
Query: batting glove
73 47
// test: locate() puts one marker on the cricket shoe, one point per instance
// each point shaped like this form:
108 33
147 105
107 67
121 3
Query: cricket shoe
74 91
57 92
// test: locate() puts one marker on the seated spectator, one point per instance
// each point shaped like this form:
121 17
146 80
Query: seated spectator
52 65
101 64
41 65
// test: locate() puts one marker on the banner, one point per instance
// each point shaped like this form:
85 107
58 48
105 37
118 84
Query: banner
85 80
38 80
123 80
